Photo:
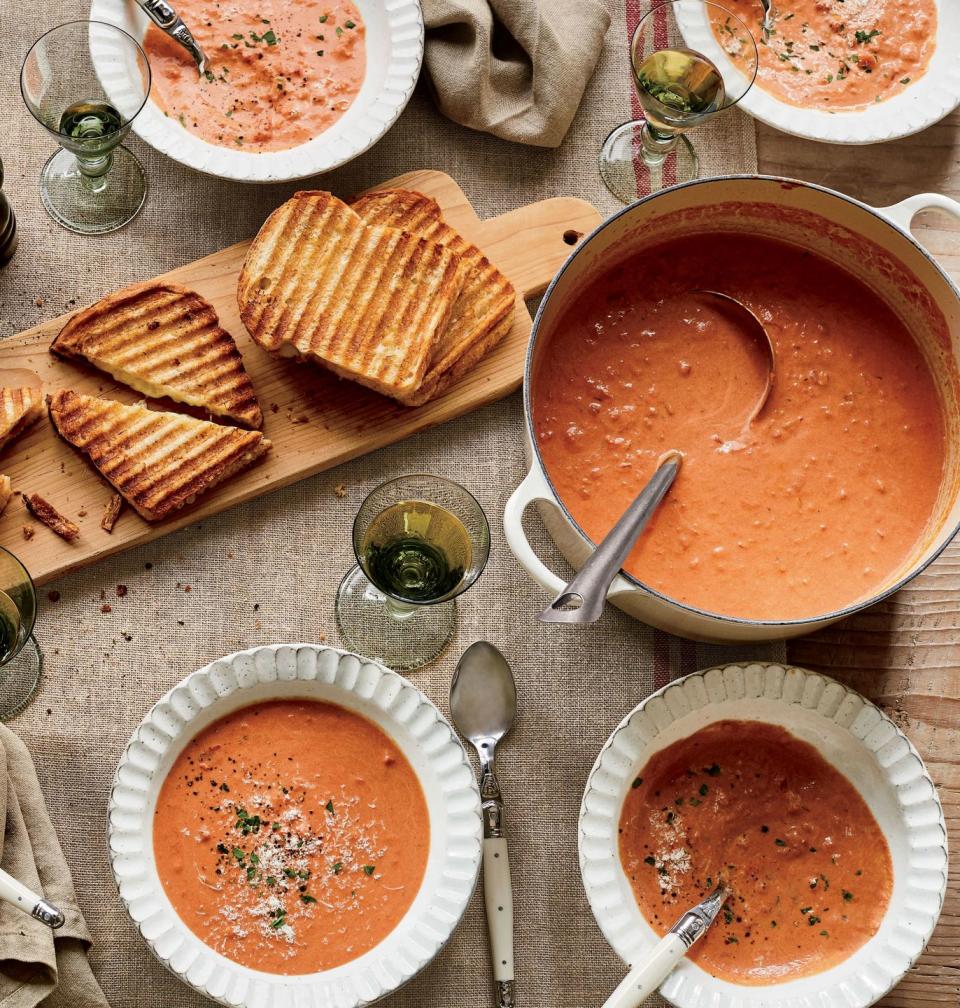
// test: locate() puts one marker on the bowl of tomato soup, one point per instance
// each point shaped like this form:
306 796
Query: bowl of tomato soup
290 89
840 491
294 824
839 71
800 797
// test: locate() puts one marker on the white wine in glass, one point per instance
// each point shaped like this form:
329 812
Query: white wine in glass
677 88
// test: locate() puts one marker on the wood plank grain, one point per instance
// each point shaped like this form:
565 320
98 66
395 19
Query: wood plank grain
314 419
905 652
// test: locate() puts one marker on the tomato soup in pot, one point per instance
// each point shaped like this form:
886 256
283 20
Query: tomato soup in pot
826 497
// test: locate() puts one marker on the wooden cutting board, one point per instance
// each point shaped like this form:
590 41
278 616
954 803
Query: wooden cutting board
314 420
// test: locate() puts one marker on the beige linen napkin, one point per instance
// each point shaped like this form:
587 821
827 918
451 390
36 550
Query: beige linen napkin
36 968
513 68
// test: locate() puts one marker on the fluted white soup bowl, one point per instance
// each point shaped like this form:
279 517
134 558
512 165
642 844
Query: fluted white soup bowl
394 42
852 734
927 99
874 244
302 671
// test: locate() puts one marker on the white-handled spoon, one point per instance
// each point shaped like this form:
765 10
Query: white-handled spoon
29 902
483 702
647 977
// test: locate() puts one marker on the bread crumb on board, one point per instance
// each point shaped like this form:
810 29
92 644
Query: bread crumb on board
44 511
28 532
340 490
111 513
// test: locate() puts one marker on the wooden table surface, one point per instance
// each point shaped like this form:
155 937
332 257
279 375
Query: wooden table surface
903 653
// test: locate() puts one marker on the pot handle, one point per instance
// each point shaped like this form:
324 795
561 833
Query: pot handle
902 213
533 488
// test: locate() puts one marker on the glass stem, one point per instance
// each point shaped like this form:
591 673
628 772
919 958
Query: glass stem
93 171
656 144
399 611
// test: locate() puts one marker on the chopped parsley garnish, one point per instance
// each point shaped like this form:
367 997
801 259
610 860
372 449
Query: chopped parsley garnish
847 896
650 860
270 880
712 771
703 789
336 867
323 18
269 37
280 919
813 919
319 52
368 869
863 37
904 80
339 32
329 807
307 898
780 843
349 24
637 781
239 38
239 854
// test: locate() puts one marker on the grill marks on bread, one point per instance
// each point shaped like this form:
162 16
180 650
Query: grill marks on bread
483 313
158 461
370 303
162 339
19 408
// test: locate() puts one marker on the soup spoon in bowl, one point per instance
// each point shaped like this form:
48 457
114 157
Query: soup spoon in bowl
645 978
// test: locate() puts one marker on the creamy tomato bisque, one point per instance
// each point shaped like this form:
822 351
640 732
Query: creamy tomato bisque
839 55
291 836
827 494
752 807
280 73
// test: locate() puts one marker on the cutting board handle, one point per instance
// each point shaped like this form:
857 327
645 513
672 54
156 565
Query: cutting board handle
548 231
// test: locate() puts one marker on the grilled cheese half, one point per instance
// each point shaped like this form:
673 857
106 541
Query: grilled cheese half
158 461
370 303
164 340
483 314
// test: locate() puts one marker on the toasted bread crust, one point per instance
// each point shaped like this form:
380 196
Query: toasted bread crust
6 492
367 302
158 461
162 339
19 408
487 298
44 511
111 512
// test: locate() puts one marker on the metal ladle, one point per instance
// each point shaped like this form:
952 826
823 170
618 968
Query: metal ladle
583 598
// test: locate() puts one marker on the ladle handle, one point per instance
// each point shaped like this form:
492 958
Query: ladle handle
644 979
583 598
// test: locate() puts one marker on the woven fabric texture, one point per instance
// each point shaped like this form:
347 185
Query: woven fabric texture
267 571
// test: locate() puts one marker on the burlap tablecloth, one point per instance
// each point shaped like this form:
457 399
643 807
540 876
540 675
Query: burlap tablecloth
268 571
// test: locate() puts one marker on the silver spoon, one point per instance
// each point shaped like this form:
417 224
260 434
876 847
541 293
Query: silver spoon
583 598
766 26
483 703
645 978
165 17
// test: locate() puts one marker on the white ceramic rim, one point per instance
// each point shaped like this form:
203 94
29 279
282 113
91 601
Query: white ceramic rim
877 966
919 105
365 686
375 109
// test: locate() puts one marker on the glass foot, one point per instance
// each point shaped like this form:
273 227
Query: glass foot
632 168
93 206
402 637
19 680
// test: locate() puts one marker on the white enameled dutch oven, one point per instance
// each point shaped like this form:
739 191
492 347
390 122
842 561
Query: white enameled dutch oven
872 243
